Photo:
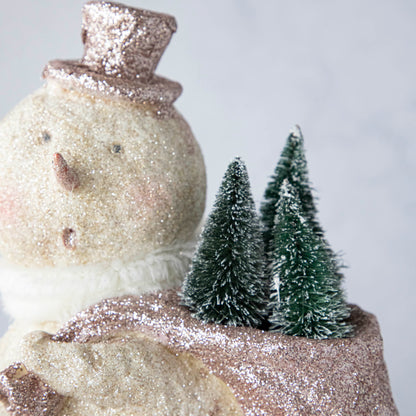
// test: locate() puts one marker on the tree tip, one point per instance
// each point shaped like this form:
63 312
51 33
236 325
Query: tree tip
237 159
237 162
296 132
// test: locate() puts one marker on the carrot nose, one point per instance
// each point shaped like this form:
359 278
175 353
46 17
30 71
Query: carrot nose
66 176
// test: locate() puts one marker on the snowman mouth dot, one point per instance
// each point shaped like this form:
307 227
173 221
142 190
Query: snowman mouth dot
69 238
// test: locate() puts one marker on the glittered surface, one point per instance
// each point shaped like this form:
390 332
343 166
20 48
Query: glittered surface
25 394
63 186
122 47
127 374
270 374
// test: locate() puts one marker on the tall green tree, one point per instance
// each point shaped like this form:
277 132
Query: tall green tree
292 166
307 299
226 283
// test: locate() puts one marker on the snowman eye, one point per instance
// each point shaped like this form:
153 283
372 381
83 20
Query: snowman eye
116 148
46 137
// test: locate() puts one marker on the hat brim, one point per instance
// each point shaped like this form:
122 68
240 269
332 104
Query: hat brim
158 91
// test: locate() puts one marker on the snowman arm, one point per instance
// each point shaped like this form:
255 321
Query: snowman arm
127 370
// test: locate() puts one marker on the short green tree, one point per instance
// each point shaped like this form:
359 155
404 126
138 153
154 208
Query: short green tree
307 299
226 283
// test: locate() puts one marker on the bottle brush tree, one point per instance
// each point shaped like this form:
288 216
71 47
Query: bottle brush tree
307 299
292 166
226 282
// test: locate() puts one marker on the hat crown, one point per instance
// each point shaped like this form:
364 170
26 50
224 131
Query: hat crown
124 42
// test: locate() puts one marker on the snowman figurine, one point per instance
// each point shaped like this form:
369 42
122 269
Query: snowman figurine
102 184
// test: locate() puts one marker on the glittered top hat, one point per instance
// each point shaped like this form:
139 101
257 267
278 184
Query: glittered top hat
122 47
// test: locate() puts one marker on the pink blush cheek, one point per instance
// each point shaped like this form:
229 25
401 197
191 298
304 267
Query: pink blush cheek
9 206
154 197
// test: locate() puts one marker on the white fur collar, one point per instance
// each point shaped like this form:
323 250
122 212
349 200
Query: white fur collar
57 293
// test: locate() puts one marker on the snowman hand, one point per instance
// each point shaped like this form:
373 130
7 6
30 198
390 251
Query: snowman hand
23 389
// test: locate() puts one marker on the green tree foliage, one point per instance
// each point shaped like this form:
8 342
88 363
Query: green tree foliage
226 282
308 300
292 166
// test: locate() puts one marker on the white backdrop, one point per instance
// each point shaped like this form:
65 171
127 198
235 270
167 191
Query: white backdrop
343 70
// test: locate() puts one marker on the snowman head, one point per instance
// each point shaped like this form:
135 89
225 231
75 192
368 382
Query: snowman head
97 165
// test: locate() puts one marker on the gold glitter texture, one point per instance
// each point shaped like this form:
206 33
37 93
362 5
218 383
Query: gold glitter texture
127 374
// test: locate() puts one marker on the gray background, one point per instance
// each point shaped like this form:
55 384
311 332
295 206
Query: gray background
343 70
